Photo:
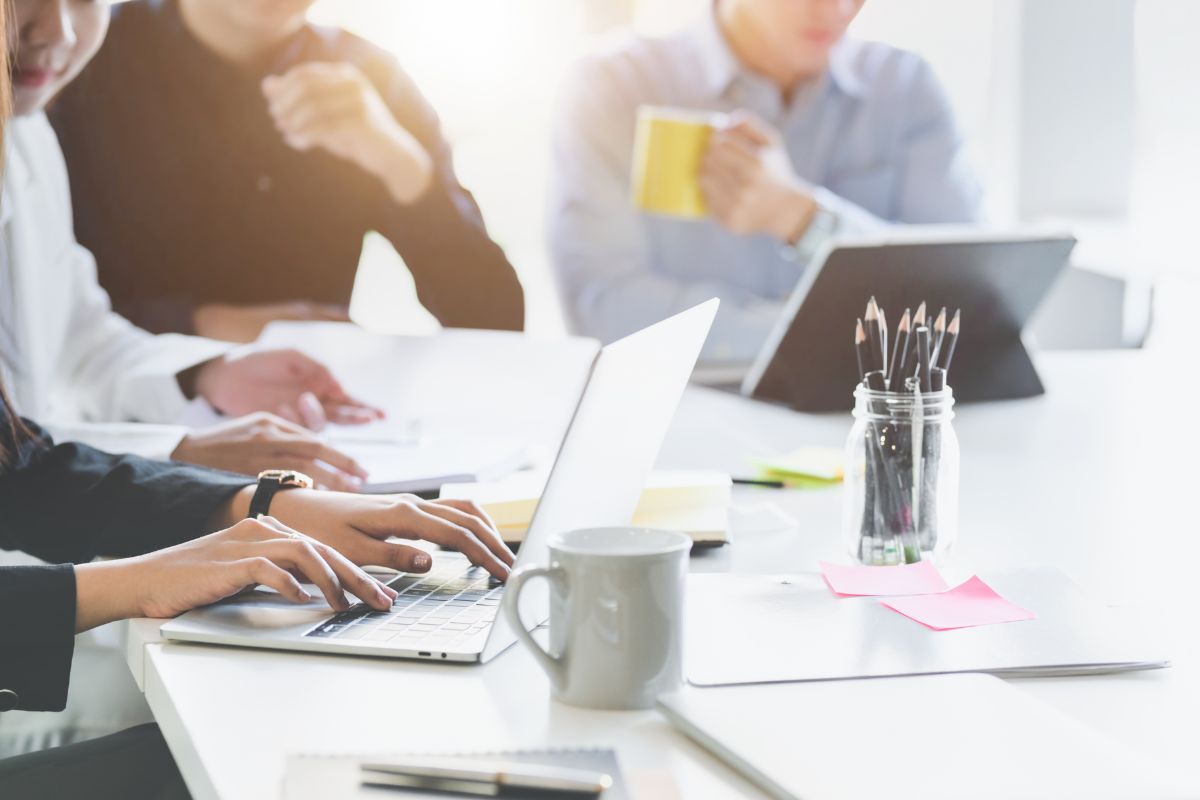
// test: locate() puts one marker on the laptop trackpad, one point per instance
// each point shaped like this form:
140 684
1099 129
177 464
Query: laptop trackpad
261 609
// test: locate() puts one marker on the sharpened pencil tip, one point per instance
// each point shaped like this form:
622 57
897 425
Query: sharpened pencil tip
872 311
954 323
860 335
906 321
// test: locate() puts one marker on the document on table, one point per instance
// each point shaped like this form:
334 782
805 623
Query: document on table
462 405
926 738
425 467
458 383
760 628
400 457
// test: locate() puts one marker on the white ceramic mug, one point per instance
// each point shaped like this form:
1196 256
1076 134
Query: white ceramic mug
616 615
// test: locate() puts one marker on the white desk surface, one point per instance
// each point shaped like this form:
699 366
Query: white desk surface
1094 478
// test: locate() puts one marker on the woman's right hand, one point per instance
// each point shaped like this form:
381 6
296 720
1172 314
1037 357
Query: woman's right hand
168 582
261 441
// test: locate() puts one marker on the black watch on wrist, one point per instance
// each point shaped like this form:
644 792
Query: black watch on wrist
271 481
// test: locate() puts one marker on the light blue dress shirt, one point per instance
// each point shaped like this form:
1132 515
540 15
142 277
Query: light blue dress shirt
874 136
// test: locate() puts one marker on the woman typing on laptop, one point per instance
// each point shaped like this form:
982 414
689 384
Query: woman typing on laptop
69 503
178 534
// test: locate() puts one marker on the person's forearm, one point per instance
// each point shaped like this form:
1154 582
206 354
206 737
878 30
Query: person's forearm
105 591
399 161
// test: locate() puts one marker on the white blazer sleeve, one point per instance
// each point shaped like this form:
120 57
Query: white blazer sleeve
98 364
114 370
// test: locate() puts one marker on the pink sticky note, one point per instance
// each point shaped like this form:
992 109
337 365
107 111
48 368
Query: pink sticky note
970 603
919 578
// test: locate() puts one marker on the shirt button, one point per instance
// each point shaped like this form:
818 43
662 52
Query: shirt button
8 699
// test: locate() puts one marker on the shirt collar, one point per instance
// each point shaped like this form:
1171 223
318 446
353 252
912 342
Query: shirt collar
212 70
842 69
719 65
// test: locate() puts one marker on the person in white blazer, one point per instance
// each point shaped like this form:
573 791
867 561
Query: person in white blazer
70 361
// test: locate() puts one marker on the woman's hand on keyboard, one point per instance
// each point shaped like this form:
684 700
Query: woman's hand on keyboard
264 552
359 527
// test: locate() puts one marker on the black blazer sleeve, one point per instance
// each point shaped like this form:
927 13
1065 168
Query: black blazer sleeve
68 504
461 275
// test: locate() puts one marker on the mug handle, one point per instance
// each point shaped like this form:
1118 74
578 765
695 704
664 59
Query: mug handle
554 667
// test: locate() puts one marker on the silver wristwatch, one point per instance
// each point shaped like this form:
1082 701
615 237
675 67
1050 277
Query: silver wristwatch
820 229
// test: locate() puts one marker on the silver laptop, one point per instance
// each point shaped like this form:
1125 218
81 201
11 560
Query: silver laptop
452 612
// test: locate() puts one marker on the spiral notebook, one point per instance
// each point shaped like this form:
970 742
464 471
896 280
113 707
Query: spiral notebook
322 776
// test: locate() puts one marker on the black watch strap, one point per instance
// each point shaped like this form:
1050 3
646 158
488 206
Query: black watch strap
270 483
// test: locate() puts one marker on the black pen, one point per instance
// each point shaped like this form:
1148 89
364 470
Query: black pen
939 333
763 483
486 779
917 321
860 341
899 351
922 334
919 317
946 354
884 364
871 326
937 378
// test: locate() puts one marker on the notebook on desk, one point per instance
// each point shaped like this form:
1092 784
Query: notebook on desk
948 736
765 629
694 502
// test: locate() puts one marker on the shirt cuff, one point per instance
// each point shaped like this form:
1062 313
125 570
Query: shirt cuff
153 393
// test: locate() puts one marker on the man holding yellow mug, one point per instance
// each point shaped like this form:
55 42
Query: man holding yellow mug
717 160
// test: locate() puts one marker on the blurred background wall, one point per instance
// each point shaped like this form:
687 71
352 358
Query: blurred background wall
1082 112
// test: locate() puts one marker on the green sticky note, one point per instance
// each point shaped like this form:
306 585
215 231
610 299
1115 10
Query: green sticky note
805 466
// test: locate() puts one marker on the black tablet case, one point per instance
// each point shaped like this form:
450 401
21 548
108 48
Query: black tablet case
998 284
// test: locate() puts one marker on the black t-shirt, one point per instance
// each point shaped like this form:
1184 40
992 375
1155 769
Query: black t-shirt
187 194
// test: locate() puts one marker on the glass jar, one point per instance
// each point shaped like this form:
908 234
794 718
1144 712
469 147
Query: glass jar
901 485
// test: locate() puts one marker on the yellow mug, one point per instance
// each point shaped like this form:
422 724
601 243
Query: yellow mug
667 149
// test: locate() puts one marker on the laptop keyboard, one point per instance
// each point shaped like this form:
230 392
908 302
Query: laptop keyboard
447 606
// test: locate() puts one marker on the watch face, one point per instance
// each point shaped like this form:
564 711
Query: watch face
289 478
